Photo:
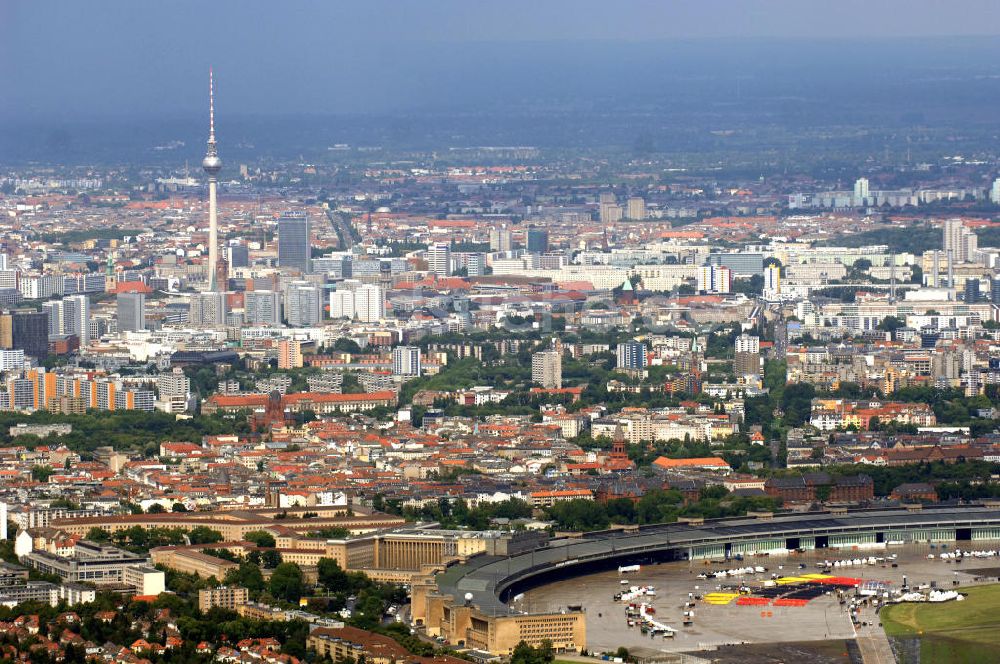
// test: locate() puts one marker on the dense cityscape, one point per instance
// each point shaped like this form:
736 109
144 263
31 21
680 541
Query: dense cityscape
433 401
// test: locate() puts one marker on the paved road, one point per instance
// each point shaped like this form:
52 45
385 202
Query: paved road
342 226
872 641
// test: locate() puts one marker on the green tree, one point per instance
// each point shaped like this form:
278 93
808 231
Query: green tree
891 324
247 575
525 654
42 473
287 582
331 576
261 538
96 534
204 535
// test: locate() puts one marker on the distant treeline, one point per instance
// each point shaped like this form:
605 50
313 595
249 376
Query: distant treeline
914 239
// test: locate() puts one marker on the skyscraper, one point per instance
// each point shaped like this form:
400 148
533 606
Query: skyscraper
610 212
55 312
131 312
500 239
860 198
262 308
971 291
369 303
76 317
636 208
342 304
207 310
238 255
772 281
293 241
538 240
406 361
211 164
439 259
27 331
962 242
546 369
303 304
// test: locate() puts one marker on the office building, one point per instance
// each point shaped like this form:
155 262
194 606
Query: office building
69 316
636 208
631 355
546 369
54 310
293 241
995 192
238 255
537 240
208 310
971 291
91 562
406 361
262 308
742 265
303 304
131 310
772 281
27 331
439 259
369 304
746 360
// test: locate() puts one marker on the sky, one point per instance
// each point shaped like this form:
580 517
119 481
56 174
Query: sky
72 59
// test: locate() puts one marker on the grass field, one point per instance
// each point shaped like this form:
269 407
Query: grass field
952 632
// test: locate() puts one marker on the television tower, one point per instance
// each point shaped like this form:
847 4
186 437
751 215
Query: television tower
212 165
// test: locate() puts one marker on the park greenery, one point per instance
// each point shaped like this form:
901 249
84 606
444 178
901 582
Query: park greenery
122 429
949 633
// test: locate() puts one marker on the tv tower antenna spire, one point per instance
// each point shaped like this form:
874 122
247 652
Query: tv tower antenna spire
211 164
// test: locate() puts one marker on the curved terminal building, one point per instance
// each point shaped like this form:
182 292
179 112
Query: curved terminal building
467 603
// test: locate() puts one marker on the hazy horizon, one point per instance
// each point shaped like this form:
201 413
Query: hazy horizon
116 79
61 60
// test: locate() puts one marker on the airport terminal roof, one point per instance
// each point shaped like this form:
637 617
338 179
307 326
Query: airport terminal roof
485 577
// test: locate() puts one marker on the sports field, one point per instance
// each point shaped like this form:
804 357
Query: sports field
951 632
